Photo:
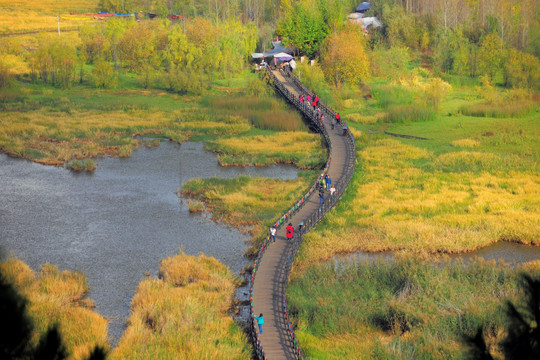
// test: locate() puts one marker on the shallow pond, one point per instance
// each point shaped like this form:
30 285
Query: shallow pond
509 253
117 223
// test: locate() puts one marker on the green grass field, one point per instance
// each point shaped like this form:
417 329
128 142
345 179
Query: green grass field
406 308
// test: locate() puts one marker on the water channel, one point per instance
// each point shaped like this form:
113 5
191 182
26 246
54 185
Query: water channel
117 223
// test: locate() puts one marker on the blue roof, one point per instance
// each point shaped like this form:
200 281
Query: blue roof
363 7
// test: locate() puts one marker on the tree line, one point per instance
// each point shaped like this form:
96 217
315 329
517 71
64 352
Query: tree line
496 39
472 38
178 57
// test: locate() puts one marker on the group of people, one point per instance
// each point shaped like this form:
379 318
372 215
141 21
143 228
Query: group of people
319 114
325 183
309 101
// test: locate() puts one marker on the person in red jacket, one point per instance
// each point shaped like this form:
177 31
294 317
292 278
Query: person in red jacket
290 231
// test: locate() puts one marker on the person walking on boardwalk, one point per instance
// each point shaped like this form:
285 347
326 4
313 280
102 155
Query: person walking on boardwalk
260 322
290 231
273 233
328 181
332 191
321 197
321 182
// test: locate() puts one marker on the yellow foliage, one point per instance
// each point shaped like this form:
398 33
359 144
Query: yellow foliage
344 58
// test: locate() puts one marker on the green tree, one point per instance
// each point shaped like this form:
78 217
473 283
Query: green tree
303 26
55 61
137 49
93 41
490 55
521 69
103 74
452 52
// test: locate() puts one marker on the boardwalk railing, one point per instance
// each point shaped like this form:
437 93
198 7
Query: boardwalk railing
315 217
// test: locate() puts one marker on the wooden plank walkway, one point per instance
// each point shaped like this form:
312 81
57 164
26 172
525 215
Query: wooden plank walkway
272 275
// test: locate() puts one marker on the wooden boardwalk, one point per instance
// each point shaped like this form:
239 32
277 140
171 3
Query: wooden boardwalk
272 274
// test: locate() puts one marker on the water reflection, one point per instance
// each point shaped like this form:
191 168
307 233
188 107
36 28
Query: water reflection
116 224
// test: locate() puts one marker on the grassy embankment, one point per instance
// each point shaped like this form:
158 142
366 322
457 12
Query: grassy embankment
185 311
184 314
54 126
472 183
248 203
59 297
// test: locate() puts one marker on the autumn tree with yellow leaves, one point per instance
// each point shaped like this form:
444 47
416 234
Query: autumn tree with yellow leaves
344 58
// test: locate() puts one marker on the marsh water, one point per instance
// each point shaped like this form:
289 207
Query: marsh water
117 223
509 253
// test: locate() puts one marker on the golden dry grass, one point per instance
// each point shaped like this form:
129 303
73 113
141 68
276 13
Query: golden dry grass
29 15
246 202
59 297
54 137
467 143
398 206
300 148
184 314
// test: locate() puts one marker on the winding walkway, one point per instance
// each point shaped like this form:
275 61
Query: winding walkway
271 269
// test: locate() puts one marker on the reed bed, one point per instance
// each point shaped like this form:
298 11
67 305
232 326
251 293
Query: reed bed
246 202
409 113
184 314
59 297
267 113
401 200
404 308
302 149
391 95
510 109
